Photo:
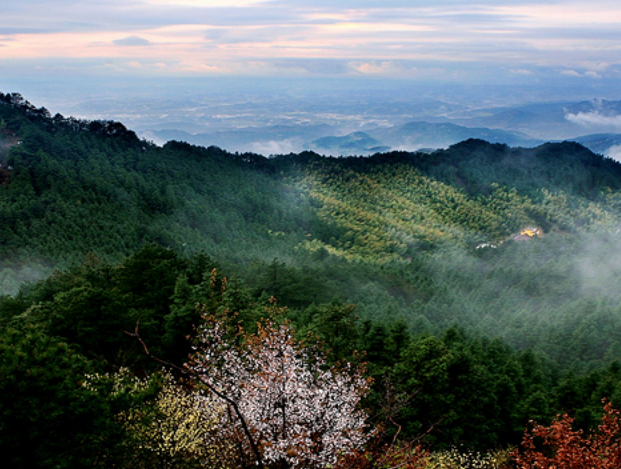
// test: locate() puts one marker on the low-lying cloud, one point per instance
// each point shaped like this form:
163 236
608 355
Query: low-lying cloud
595 119
614 152
587 74
275 147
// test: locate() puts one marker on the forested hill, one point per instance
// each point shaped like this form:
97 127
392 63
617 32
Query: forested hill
396 234
478 267
76 186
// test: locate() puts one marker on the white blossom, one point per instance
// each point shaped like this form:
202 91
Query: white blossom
297 409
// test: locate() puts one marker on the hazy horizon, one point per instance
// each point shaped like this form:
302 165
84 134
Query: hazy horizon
211 66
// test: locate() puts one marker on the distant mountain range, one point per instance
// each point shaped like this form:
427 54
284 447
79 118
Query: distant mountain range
415 135
357 143
420 135
551 121
265 140
604 144
595 124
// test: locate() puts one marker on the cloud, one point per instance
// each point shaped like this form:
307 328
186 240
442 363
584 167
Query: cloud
275 147
587 74
614 152
520 71
314 66
216 34
570 73
11 31
255 35
202 68
207 3
378 68
595 119
596 66
371 37
132 41
397 4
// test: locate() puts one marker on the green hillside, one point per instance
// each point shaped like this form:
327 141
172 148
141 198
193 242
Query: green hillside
395 233
475 267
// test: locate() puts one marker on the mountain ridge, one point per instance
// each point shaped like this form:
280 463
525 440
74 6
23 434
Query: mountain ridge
394 233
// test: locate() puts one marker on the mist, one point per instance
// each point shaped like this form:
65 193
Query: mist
596 121
240 114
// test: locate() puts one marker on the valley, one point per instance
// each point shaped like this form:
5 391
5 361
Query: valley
414 259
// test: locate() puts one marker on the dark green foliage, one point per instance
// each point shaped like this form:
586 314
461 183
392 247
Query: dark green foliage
95 304
336 326
49 419
394 234
467 391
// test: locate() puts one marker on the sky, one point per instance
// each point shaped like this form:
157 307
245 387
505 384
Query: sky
426 40
72 55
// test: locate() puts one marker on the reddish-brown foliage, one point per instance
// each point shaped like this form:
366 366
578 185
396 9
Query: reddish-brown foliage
559 446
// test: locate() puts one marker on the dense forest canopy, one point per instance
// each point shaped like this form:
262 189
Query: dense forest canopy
475 267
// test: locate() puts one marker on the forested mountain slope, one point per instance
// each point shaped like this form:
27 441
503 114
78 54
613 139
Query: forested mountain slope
476 267
396 234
